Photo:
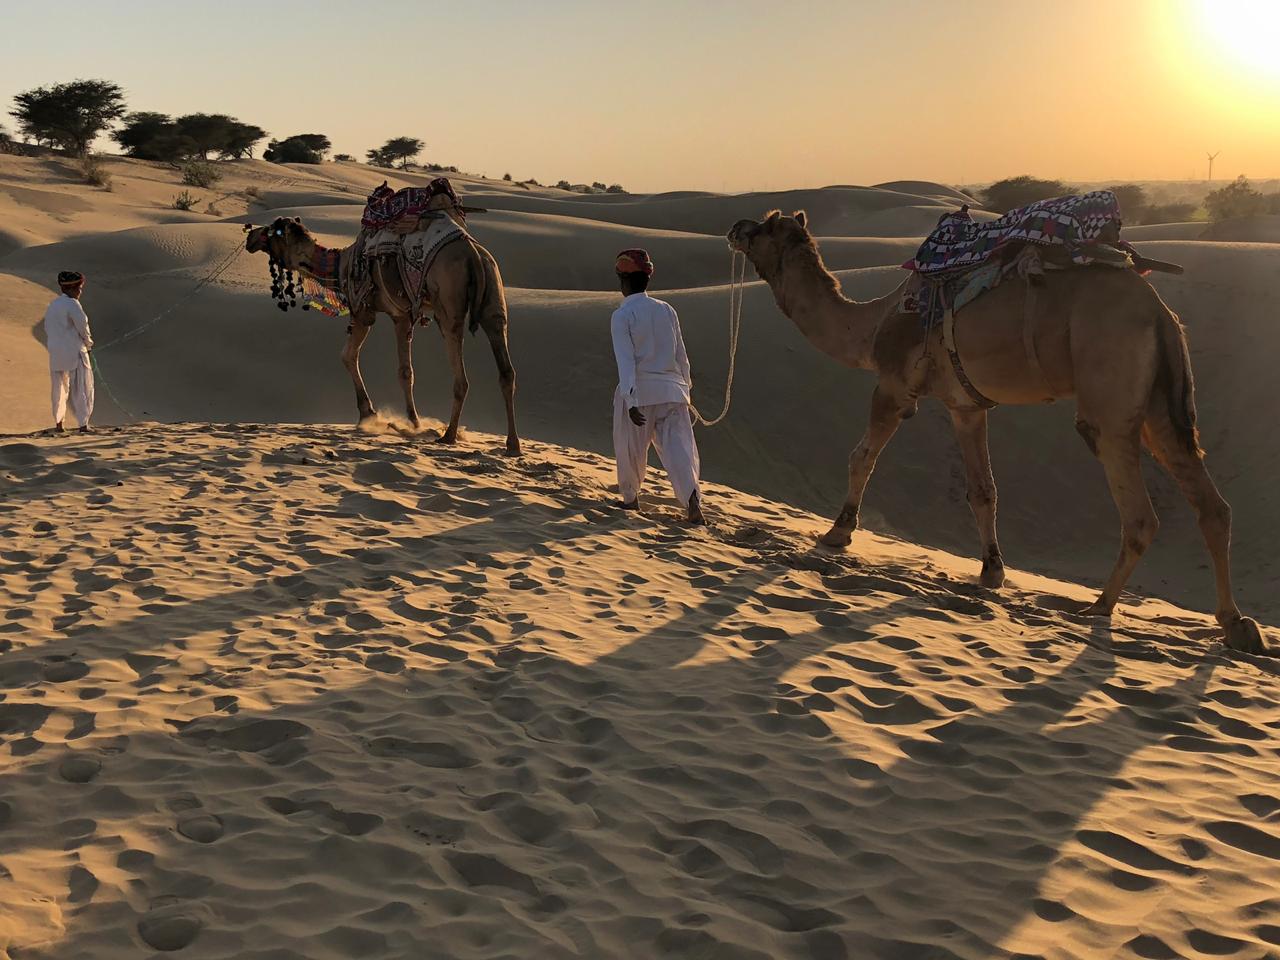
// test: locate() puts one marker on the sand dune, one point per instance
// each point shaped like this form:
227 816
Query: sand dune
298 692
266 686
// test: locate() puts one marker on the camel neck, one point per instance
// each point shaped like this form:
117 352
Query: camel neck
811 298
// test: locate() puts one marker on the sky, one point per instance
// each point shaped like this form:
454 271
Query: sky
729 95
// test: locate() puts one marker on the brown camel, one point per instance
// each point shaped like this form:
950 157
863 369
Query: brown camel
1102 335
463 281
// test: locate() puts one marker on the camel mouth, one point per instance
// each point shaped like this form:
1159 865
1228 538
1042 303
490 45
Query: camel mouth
740 234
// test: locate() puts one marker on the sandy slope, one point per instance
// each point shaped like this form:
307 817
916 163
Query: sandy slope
299 692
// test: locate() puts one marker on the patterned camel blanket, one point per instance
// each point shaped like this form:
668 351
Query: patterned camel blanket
963 259
1076 223
386 206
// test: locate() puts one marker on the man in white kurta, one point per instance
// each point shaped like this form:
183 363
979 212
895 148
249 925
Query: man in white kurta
67 336
651 404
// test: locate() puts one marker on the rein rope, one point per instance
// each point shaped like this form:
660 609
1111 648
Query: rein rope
737 288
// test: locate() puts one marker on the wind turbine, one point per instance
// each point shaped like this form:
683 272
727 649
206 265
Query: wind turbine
1211 157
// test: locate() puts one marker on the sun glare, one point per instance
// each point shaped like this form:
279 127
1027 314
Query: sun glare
1244 32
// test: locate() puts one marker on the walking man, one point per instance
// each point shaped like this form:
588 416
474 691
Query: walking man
651 404
66 328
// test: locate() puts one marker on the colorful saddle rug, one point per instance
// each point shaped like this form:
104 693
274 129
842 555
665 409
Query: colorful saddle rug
1076 223
386 206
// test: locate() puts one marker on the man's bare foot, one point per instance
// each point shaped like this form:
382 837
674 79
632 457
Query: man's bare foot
633 505
695 516
85 428
59 428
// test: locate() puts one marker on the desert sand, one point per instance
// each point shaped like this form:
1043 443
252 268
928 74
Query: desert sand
273 687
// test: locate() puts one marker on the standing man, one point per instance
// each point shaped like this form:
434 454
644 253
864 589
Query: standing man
66 328
651 405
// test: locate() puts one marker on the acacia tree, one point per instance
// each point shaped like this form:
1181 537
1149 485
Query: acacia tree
69 115
403 149
1236 199
300 148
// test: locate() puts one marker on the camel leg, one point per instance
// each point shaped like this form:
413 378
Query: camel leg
357 332
451 331
886 416
1214 514
971 432
507 380
404 351
1119 453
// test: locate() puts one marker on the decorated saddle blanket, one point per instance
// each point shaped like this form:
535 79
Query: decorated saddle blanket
414 252
1078 224
963 259
385 206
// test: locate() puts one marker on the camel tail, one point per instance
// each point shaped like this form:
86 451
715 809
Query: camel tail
1175 381
475 293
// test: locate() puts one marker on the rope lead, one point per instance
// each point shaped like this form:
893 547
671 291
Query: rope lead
737 289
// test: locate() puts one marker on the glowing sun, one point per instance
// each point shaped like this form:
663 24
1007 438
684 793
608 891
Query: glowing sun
1245 32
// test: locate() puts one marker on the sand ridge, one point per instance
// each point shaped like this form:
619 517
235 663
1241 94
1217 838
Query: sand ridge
305 692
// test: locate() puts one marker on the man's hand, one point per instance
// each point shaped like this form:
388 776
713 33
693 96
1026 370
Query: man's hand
636 416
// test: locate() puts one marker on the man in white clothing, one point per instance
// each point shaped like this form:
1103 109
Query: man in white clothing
651 404
66 328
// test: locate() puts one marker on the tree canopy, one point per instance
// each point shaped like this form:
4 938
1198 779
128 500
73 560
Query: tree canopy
1005 195
1239 199
68 115
156 136
403 149
300 148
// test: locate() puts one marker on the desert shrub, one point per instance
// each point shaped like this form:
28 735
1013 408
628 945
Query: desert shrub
95 172
1169 213
253 193
1004 195
1236 199
212 210
563 185
614 188
343 157
507 177
185 201
198 173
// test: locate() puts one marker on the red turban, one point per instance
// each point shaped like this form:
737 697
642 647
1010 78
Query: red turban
634 261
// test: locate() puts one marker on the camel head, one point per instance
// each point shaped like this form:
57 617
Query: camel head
286 241
765 242
289 246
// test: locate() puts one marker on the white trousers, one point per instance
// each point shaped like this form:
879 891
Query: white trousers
669 427
77 386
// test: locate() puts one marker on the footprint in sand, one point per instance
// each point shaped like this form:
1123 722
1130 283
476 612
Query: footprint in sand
79 768
351 824
193 821
170 925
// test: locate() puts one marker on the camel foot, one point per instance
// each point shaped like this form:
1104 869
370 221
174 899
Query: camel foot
513 447
992 576
446 439
836 537
1243 635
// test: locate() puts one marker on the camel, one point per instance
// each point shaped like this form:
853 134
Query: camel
1102 336
463 281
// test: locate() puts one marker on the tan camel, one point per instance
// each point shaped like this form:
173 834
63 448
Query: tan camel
1101 334
463 281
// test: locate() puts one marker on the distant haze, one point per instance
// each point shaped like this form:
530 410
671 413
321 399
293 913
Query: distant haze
710 95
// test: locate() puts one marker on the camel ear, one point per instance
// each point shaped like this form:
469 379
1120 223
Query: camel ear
801 218
298 220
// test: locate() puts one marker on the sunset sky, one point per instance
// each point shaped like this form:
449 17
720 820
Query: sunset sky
733 95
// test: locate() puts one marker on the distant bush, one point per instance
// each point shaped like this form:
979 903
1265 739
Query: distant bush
156 136
437 168
1239 199
199 173
185 201
251 192
563 185
1004 195
614 188
507 177
300 148
598 186
1169 213
213 210
343 158
95 172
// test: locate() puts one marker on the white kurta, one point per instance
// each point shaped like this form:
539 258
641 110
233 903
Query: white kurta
653 376
67 336
66 330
